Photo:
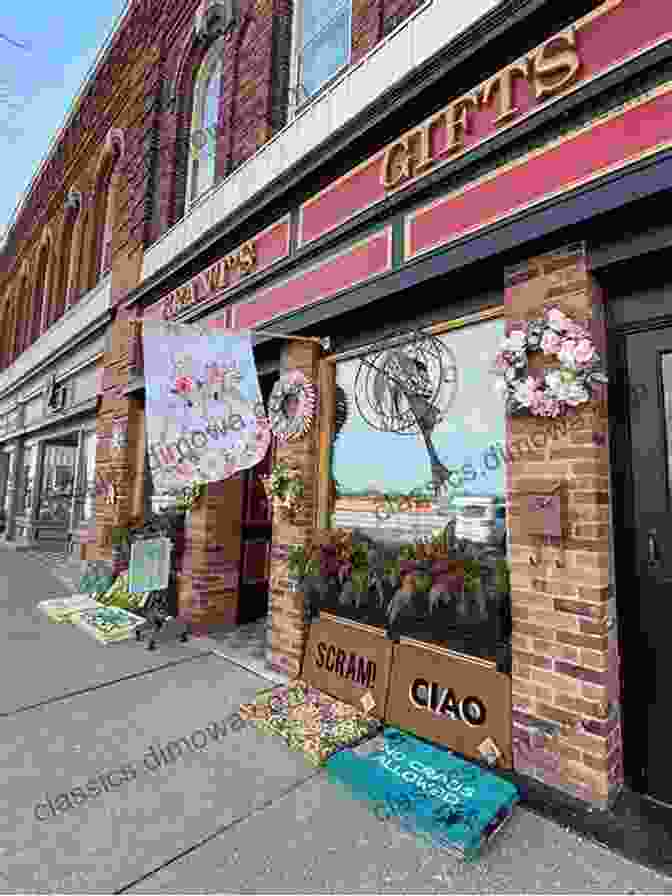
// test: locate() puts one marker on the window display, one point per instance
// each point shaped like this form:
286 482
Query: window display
58 473
418 462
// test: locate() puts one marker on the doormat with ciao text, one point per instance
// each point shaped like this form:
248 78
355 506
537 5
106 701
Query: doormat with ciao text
430 792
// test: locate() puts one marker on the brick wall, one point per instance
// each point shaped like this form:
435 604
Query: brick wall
371 22
565 693
288 630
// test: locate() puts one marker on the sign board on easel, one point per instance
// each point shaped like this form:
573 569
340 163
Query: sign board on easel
149 568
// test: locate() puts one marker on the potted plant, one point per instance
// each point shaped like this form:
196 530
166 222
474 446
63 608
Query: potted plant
285 488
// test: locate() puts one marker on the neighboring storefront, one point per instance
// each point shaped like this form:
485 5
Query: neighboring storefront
458 231
48 431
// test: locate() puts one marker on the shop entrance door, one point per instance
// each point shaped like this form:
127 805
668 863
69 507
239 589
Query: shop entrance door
257 532
648 669
256 544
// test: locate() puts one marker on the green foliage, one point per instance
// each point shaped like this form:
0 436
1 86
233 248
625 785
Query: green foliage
423 583
472 575
503 576
360 579
407 552
190 496
297 561
360 557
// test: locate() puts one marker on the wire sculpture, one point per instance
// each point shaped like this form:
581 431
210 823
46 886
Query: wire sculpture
407 385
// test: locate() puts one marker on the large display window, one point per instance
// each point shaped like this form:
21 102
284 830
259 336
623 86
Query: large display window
418 473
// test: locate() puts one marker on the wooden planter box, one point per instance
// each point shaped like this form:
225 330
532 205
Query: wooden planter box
348 660
451 699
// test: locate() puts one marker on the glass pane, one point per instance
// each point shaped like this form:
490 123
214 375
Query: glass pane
89 476
419 457
203 143
26 480
326 52
468 441
317 14
58 474
666 372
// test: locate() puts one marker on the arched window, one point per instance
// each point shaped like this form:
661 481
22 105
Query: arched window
202 150
105 203
40 293
57 307
22 317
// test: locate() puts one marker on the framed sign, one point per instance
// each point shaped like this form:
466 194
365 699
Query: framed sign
349 661
149 568
458 701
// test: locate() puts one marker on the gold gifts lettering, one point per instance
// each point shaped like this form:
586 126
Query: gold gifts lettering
549 69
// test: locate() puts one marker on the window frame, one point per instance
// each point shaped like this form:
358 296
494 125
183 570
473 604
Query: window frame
212 60
296 100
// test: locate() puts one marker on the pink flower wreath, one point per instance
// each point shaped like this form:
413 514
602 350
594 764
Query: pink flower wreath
556 390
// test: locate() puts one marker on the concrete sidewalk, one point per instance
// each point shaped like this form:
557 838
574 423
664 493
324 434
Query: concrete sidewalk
240 813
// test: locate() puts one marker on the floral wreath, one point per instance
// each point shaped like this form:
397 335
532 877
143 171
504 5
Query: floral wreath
292 385
556 390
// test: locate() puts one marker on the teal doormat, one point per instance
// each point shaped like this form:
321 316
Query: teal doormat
441 798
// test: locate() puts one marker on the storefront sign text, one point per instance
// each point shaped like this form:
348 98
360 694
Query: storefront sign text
358 669
549 69
210 281
433 697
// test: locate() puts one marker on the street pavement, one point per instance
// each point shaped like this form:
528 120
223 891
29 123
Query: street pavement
125 771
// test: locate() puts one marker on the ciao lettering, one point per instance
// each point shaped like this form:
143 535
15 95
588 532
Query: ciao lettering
431 696
359 669
549 69
210 281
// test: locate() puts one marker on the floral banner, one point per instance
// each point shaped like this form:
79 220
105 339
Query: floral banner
204 410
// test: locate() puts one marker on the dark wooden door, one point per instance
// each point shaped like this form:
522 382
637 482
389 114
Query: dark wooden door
648 679
255 560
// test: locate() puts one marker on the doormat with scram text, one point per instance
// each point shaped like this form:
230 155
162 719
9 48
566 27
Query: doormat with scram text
430 792
309 720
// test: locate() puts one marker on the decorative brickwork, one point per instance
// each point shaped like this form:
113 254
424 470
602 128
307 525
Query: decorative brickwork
288 629
565 700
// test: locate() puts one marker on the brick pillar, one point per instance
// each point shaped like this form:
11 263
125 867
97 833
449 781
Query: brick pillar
208 584
566 725
288 629
120 463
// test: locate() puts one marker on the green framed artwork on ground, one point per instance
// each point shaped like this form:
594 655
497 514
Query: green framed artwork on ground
149 568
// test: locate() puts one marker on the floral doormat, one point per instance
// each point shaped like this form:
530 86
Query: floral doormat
308 720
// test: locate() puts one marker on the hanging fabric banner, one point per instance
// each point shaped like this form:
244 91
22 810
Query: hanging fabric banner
205 416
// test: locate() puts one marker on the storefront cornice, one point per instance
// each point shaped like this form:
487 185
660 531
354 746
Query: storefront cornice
90 333
89 406
381 122
510 239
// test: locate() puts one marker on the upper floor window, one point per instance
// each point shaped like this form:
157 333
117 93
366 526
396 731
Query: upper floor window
323 43
203 130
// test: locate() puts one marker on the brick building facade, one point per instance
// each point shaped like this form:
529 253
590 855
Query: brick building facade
456 172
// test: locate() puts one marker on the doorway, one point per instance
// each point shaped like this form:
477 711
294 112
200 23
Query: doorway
56 489
256 533
646 535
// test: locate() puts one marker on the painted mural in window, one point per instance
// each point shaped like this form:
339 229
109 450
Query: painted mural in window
420 481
